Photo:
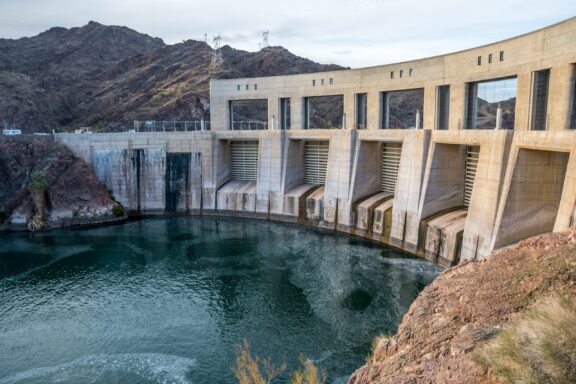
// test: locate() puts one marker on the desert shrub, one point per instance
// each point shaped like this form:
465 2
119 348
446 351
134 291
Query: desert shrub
37 181
254 370
375 344
251 369
118 210
538 348
309 374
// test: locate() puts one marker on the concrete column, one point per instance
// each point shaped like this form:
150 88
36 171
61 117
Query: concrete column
523 97
457 118
340 164
559 97
373 118
350 109
273 112
429 112
405 217
269 169
297 112
219 114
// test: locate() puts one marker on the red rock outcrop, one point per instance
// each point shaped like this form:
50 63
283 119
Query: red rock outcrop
74 195
466 306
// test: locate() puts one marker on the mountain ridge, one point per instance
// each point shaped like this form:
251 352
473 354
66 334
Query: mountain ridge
107 76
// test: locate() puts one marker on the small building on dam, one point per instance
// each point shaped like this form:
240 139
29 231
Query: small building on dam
448 157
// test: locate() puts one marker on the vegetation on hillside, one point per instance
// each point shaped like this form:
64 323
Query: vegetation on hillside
538 348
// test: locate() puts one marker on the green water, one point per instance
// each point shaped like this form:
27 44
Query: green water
166 300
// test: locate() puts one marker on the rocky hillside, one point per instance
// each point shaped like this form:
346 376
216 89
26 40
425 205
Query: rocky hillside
73 194
108 75
468 305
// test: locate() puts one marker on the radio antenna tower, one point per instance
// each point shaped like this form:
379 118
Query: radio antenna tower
264 43
216 54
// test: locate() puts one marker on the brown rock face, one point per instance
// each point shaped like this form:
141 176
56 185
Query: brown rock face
73 195
466 306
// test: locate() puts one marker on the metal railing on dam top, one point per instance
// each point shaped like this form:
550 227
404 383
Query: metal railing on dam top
194 125
171 126
249 125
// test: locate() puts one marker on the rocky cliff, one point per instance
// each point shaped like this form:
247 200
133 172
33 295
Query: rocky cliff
465 307
107 76
72 194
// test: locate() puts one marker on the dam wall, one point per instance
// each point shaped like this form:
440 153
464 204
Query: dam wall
448 157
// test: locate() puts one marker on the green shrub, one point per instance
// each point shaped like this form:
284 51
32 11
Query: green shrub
538 348
37 181
118 210
98 126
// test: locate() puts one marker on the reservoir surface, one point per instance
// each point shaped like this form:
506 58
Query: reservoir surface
167 300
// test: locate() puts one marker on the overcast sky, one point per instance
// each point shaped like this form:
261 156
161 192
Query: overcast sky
355 33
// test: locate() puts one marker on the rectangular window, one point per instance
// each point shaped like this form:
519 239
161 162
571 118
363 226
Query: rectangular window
361 110
255 87
410 72
313 83
323 112
540 83
501 55
238 87
322 82
285 113
248 115
401 72
392 74
479 60
331 81
442 106
247 87
401 109
486 101
490 58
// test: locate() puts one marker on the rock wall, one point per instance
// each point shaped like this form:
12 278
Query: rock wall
74 195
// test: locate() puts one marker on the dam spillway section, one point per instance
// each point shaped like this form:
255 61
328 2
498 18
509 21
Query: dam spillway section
448 157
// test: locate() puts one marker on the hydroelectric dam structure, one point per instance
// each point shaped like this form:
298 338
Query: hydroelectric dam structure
448 157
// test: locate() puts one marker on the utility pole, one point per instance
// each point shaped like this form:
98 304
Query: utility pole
217 54
264 43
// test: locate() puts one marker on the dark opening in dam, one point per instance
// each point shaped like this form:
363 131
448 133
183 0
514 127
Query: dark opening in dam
177 181
166 300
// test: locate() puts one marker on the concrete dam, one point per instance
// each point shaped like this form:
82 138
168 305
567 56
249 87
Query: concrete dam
448 157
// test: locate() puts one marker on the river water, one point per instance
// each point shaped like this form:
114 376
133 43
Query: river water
166 300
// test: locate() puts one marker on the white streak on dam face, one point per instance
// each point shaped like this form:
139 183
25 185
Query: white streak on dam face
109 165
150 166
